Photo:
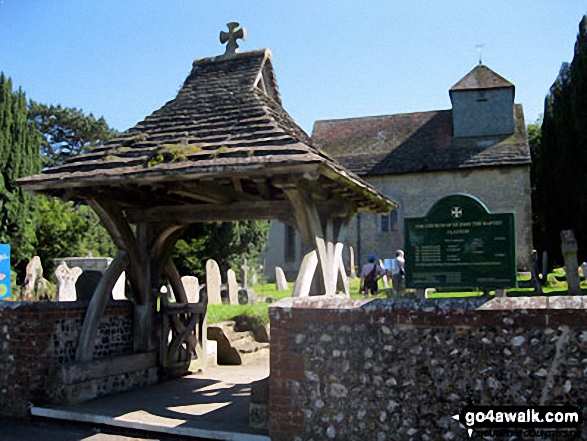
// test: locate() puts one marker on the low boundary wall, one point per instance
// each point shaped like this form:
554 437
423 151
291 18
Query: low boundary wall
38 344
399 369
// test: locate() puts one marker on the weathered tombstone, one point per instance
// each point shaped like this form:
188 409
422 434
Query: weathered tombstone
191 285
569 248
34 273
232 287
118 292
280 280
86 284
245 273
384 278
460 243
305 275
213 282
92 265
353 274
66 279
584 268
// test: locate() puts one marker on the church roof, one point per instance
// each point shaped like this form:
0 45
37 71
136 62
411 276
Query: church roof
481 77
417 142
226 121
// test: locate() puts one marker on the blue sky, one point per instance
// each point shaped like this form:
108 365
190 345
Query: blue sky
123 59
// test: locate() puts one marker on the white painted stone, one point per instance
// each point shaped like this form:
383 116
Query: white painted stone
232 287
118 290
66 279
213 282
191 285
305 275
280 279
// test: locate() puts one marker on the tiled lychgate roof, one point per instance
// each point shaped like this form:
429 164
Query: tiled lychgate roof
226 121
417 142
481 77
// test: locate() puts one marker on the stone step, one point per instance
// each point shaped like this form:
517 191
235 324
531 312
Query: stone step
232 346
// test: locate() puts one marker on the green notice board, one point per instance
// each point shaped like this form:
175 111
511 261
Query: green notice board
459 243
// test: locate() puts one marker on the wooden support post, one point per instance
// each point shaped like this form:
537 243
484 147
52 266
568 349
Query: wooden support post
95 311
324 229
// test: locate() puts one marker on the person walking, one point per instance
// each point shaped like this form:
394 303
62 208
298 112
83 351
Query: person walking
370 274
398 273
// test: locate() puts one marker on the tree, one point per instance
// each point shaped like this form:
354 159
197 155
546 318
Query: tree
64 230
561 156
226 242
19 156
67 132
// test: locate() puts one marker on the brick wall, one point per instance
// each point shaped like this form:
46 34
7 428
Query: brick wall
398 369
36 336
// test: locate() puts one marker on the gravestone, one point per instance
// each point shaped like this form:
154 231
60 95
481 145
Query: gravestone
191 285
35 286
213 282
460 243
86 285
280 280
99 265
232 287
584 268
569 248
66 279
245 273
305 275
353 274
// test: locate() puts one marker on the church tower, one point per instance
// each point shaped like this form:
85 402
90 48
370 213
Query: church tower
482 104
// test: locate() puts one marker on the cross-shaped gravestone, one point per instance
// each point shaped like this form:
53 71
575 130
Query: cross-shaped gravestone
231 36
245 273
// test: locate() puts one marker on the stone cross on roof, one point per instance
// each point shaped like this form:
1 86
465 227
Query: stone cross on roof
231 36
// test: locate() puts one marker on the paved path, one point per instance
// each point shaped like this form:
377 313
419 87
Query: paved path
213 404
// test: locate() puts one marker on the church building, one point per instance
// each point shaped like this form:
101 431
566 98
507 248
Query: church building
478 147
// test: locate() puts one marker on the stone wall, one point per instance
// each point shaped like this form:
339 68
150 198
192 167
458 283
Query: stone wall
39 337
398 369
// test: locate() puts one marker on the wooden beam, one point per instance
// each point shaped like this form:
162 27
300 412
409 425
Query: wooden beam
113 220
95 311
186 214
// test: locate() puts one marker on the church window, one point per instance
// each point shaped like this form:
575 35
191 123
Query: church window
289 254
481 96
389 222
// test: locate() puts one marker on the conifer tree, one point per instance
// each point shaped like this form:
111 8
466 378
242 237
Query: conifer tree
19 156
561 164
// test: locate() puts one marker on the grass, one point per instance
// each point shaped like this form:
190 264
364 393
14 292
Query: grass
219 313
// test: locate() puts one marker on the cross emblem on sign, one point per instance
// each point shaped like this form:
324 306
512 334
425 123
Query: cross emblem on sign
456 212
231 36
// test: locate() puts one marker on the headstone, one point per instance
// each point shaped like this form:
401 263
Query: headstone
245 273
118 292
280 280
86 284
34 273
191 285
384 278
232 287
584 268
213 282
353 274
305 275
90 263
66 279
569 248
